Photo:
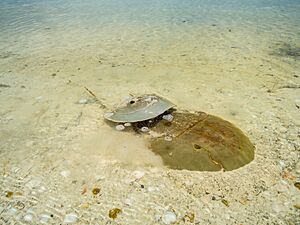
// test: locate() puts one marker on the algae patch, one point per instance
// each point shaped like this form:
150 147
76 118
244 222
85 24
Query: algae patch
288 50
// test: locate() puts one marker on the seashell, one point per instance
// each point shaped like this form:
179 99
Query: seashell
120 127
145 129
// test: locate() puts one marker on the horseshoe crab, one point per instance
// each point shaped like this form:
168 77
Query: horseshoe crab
198 141
184 140
138 109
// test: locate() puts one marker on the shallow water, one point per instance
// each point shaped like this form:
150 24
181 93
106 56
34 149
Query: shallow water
235 59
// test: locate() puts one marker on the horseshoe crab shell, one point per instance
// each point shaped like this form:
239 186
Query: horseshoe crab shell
139 109
199 141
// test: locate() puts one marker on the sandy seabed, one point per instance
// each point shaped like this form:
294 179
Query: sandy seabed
61 163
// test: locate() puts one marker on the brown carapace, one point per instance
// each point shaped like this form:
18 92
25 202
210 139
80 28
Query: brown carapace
198 141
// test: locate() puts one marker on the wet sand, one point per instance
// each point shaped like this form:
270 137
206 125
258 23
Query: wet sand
53 152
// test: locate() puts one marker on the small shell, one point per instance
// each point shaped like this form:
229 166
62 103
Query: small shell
145 129
168 117
127 124
120 127
169 218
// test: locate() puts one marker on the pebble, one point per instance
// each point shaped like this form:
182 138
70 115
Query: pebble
168 117
65 173
28 217
70 218
169 217
127 124
44 219
120 127
42 189
145 129
83 101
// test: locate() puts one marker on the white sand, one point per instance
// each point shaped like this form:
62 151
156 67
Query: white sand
53 152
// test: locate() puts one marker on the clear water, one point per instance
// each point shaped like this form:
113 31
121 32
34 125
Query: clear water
144 25
238 59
